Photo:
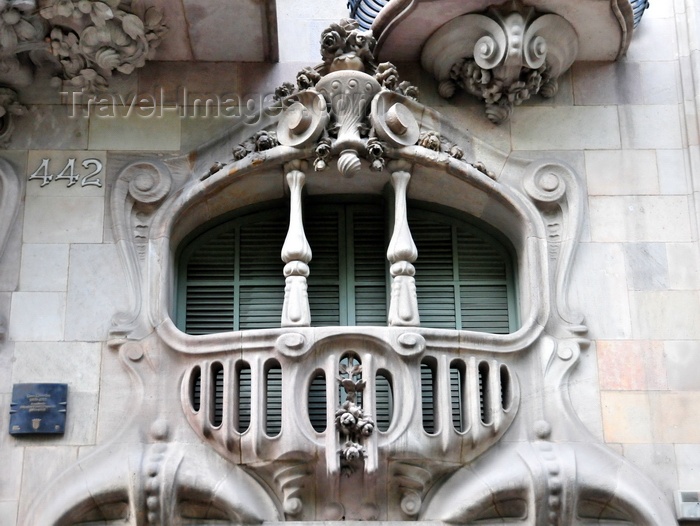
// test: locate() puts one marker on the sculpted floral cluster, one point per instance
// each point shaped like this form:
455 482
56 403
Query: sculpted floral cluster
350 419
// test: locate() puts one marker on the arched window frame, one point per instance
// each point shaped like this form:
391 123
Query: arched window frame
425 210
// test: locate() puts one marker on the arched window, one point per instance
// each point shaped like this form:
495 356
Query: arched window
230 275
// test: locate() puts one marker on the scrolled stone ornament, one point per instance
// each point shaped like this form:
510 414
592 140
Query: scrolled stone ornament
148 182
303 122
545 185
393 120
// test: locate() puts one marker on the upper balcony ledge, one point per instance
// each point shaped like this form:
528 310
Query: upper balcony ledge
501 51
604 28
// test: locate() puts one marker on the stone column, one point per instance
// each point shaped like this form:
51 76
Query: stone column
402 252
296 253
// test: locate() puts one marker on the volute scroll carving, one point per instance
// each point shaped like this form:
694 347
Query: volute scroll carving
140 188
504 56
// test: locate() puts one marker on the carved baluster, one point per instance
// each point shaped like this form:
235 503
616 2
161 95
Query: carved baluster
403 310
296 253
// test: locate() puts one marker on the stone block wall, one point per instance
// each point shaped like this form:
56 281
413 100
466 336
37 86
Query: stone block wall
629 129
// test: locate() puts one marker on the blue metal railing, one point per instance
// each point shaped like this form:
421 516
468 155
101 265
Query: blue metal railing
365 11
638 8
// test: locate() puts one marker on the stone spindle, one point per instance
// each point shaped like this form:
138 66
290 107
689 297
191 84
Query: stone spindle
296 253
402 252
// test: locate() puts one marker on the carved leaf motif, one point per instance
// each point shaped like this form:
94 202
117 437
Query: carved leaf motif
8 41
64 8
101 12
25 30
90 37
133 26
154 17
126 68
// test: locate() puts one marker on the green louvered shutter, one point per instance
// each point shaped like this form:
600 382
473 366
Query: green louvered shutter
260 276
369 266
231 278
483 285
209 287
323 226
462 276
435 274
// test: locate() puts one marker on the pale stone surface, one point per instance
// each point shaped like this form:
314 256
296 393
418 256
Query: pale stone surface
631 365
7 351
153 128
44 268
651 127
673 176
231 30
599 289
12 460
63 219
176 43
8 513
683 265
40 465
661 82
600 83
549 128
675 417
97 290
37 316
639 218
189 82
647 44
58 162
622 172
647 266
688 458
74 363
116 408
585 393
626 417
50 127
658 461
665 314
682 365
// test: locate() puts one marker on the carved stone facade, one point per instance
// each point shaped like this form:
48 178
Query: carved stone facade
164 444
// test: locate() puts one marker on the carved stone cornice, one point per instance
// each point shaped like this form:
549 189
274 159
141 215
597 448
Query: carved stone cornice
82 42
504 56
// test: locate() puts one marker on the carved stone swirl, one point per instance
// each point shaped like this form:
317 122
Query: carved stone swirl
303 122
139 189
504 56
556 191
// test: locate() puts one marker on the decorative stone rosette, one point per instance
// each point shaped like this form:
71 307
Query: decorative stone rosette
503 57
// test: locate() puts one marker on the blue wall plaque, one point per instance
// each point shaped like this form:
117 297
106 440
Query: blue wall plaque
38 409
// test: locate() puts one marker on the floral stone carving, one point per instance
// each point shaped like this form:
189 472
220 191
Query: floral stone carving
503 57
79 41
347 107
351 420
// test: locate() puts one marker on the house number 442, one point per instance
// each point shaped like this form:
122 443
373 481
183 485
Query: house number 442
68 173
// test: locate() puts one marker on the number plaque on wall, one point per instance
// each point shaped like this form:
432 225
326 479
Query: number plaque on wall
38 409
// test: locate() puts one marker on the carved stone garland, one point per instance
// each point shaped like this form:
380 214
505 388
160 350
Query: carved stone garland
503 57
82 42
